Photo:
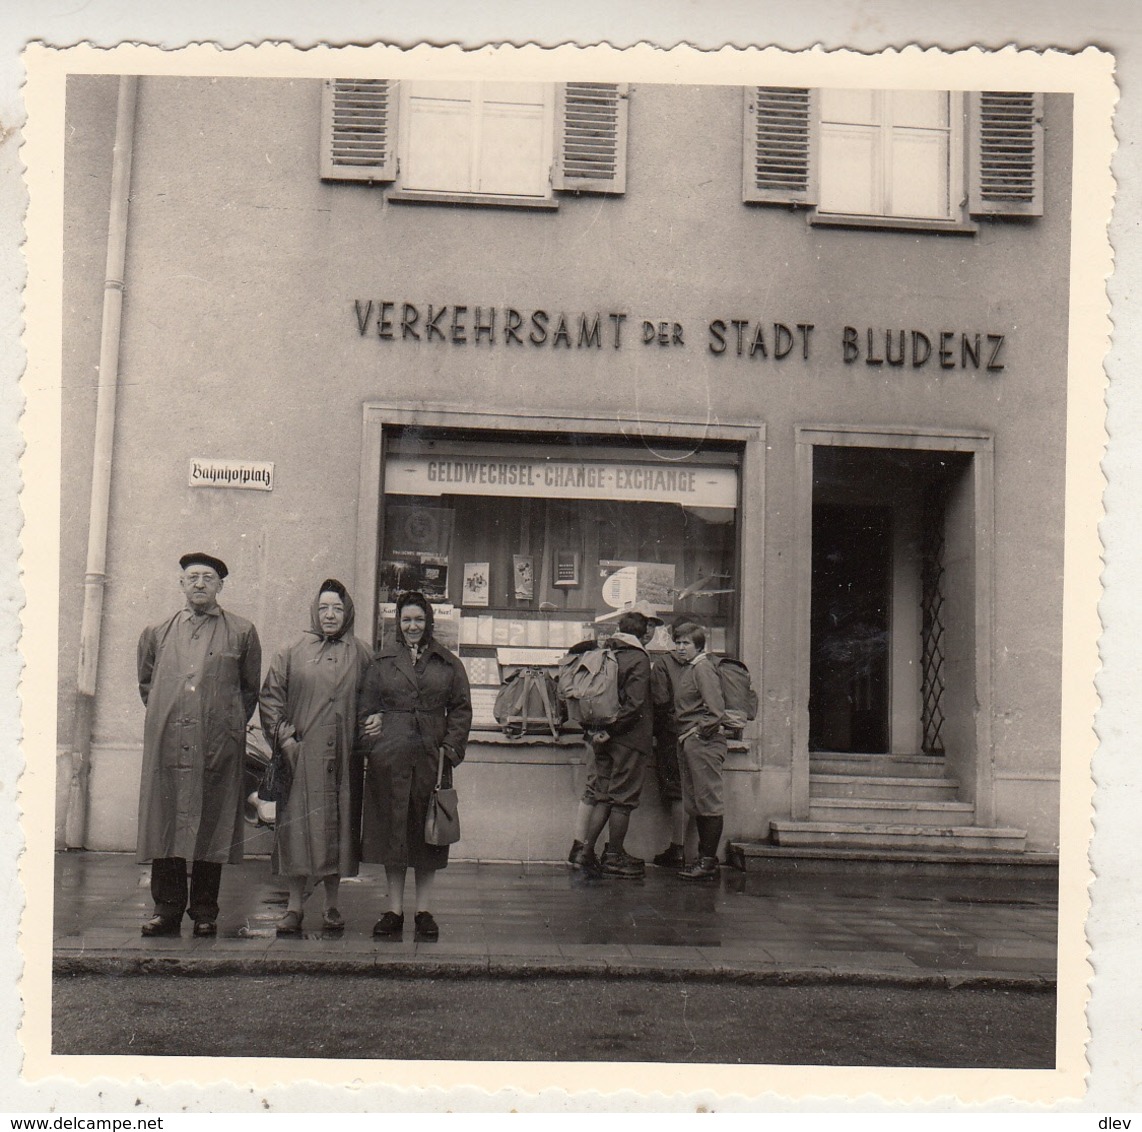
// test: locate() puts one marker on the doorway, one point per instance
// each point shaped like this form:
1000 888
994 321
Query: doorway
851 628
883 592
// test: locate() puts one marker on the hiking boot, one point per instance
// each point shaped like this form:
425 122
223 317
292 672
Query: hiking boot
705 868
671 858
622 864
622 854
584 860
575 847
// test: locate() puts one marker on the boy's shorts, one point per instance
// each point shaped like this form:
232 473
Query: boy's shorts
701 765
614 775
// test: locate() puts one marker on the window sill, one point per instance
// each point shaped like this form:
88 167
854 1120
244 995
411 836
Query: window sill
495 746
892 223
499 739
413 196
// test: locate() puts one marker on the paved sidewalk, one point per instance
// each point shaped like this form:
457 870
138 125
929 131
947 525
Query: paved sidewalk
508 920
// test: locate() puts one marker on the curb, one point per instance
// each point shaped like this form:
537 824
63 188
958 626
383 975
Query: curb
64 966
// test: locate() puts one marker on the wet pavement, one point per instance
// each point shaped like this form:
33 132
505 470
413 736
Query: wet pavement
541 919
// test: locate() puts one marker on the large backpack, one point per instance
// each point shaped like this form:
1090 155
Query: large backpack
589 686
527 704
737 691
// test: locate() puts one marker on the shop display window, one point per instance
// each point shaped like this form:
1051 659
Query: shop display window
527 549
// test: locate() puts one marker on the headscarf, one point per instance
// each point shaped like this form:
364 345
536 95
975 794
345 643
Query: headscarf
331 586
415 597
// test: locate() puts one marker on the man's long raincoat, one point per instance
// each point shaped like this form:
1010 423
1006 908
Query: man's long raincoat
198 677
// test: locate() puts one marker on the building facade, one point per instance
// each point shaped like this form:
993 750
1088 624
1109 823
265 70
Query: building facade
791 363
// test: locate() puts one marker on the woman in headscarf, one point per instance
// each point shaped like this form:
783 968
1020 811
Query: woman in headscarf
416 704
309 699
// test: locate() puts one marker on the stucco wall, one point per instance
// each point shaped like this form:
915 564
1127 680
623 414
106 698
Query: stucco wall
240 340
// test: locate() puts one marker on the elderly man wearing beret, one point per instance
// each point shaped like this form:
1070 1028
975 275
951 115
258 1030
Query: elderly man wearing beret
199 675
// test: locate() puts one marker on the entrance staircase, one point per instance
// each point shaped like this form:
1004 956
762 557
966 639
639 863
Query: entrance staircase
887 813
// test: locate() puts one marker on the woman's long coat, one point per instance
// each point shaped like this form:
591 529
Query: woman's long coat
199 695
315 685
424 707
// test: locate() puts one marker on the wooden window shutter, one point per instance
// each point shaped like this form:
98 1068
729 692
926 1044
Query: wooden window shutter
358 130
780 152
591 137
1006 153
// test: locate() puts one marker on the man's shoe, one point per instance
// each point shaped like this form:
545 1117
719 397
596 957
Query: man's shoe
586 862
575 847
389 925
205 928
705 868
426 927
622 864
332 921
671 858
290 924
162 925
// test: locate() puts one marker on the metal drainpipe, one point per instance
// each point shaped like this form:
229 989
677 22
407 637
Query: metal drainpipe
96 578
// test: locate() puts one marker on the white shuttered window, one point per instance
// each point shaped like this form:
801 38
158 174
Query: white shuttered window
497 142
895 157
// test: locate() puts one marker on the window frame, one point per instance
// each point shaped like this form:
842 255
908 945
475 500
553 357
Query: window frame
401 192
956 170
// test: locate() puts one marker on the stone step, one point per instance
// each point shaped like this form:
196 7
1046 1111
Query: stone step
865 810
823 861
917 789
887 835
909 766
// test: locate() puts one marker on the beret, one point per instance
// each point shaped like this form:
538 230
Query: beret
198 558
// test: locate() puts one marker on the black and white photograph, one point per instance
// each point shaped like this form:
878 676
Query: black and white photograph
565 564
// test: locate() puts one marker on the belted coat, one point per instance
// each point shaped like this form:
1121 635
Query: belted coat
424 706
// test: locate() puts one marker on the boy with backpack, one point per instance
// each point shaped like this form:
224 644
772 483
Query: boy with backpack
617 757
700 708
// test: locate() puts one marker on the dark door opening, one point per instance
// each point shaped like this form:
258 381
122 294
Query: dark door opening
850 628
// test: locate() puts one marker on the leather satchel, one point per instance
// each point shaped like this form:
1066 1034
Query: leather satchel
442 822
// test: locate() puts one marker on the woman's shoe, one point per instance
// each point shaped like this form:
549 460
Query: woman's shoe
426 928
389 925
332 921
290 924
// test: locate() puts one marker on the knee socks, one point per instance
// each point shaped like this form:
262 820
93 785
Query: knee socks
709 834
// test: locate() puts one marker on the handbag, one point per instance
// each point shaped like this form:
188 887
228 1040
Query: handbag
277 778
442 822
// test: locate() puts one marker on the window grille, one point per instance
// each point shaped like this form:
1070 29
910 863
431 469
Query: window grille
932 620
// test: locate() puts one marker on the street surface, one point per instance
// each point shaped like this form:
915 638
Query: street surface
552 1019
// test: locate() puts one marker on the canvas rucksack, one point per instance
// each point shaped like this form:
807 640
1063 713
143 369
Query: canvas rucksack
589 686
527 704
737 691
